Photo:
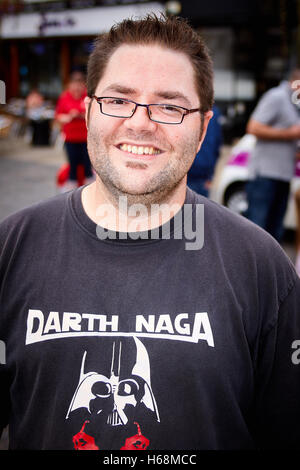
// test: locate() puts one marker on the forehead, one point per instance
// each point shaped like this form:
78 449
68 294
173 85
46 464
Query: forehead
148 69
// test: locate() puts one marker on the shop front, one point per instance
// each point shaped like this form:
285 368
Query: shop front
40 49
38 52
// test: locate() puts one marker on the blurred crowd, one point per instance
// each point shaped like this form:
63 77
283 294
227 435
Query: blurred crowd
44 123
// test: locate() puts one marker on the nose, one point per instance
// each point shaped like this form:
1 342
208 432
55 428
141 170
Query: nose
140 120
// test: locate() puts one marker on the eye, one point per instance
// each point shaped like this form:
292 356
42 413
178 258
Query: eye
115 102
171 110
128 387
101 389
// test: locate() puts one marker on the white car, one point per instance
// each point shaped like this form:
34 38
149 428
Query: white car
229 189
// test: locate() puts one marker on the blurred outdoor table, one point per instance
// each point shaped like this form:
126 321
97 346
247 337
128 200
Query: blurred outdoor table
5 125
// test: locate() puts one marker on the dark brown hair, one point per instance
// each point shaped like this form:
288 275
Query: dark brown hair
170 32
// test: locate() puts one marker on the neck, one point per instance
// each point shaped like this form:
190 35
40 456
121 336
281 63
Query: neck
131 213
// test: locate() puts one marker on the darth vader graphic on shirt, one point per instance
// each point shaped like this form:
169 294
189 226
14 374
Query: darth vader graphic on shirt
114 403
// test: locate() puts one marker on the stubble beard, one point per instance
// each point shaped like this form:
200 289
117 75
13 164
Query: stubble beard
158 189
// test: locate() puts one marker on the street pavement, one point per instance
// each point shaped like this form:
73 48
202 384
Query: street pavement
27 174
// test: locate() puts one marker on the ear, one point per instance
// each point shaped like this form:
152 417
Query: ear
207 117
87 104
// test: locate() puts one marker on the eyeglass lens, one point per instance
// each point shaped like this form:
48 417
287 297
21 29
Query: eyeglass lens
122 108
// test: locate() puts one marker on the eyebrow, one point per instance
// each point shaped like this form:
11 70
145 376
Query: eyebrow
173 95
120 89
167 94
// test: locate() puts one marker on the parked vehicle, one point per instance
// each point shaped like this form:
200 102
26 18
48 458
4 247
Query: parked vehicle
230 188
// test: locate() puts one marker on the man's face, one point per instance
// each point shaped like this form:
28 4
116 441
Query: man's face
145 74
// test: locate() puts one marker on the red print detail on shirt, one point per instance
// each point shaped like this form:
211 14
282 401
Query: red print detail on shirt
83 441
137 442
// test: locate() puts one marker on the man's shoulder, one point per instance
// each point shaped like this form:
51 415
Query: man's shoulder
39 214
227 224
245 246
237 233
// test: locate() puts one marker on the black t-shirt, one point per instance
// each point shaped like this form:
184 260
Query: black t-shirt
145 343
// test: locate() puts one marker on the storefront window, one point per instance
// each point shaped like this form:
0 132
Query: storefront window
80 50
39 67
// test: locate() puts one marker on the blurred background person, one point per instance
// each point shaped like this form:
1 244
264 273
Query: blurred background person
201 173
70 113
38 120
34 100
276 124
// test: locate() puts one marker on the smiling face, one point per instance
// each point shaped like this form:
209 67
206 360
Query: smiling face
137 157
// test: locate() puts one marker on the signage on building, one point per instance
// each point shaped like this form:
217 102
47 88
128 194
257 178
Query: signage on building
91 21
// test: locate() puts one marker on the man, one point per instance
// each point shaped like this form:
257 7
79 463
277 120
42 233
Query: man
276 124
119 334
70 114
39 122
200 175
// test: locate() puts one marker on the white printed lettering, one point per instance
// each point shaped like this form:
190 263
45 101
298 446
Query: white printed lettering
164 323
147 324
71 321
182 329
31 335
202 321
103 323
66 325
52 323
91 319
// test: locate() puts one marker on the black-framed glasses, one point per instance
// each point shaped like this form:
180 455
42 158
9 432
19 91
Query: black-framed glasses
161 113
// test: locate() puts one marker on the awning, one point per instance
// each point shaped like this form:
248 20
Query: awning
84 22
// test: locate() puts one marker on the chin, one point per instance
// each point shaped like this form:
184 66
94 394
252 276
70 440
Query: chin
134 190
134 186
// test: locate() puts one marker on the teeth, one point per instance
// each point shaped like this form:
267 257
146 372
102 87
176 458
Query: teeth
139 150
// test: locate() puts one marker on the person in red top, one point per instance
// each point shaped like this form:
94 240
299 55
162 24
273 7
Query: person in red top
70 113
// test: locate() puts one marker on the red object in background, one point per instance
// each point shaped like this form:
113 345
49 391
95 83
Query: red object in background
75 130
63 175
83 441
137 442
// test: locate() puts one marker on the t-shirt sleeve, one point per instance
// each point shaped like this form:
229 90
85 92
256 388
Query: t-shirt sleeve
4 377
277 407
4 398
267 109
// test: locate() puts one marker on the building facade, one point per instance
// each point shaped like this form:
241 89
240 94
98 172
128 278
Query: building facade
254 44
45 41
